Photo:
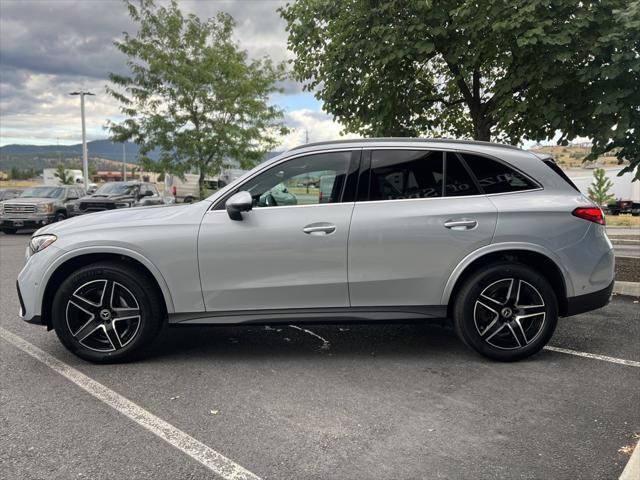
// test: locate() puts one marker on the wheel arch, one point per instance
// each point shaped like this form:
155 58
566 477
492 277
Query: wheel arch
532 257
68 264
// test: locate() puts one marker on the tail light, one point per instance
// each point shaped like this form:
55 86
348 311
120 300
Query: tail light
174 190
593 214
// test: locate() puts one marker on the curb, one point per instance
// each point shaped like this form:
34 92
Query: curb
627 288
632 470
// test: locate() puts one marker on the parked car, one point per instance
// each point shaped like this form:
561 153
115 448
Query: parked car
623 207
37 206
488 235
9 193
115 195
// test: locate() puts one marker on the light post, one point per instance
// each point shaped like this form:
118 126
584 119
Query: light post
124 161
85 160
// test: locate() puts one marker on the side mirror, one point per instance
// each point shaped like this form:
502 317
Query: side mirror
238 203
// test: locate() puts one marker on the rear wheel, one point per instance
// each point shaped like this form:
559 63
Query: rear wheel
506 311
106 312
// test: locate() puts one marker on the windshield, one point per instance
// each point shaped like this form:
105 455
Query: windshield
116 188
43 192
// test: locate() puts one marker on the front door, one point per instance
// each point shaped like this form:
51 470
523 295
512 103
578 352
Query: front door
290 251
422 215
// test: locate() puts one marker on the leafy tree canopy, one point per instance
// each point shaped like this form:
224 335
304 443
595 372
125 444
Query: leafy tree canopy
486 69
193 93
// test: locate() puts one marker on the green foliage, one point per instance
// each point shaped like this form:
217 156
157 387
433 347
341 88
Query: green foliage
193 93
19 174
61 173
486 69
599 189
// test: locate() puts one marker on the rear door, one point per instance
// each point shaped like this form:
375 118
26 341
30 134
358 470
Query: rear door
420 213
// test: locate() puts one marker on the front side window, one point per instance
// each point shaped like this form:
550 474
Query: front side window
308 180
401 174
496 177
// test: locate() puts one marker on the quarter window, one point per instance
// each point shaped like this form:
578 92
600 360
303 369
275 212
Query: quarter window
496 177
308 180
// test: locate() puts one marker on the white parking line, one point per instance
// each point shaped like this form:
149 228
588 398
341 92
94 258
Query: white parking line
214 461
325 343
595 356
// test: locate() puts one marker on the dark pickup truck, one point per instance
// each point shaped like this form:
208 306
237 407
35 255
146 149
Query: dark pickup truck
114 195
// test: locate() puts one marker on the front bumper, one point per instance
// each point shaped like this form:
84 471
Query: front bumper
29 222
589 301
34 319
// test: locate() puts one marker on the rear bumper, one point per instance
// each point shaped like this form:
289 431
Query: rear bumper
588 302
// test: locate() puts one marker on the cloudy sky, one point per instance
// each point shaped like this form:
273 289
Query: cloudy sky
49 48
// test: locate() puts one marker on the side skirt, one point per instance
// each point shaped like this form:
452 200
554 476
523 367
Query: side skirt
312 315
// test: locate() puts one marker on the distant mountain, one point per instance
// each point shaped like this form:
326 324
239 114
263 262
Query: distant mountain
46 156
96 148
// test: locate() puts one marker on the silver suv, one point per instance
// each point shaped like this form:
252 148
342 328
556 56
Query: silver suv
491 236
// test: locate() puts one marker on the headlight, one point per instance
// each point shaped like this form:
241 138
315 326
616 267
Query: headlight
45 207
123 205
39 243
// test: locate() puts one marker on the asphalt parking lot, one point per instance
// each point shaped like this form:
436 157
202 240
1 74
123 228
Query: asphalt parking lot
349 402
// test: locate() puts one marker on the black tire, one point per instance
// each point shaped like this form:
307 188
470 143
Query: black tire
188 200
10 231
500 327
60 216
87 292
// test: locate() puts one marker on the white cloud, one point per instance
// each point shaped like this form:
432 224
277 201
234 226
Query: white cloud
318 125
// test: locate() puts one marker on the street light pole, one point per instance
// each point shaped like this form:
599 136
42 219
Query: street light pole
124 161
85 159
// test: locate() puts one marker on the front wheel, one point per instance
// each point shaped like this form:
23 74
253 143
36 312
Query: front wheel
506 311
106 312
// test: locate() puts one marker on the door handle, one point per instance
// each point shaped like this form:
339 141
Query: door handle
462 224
321 228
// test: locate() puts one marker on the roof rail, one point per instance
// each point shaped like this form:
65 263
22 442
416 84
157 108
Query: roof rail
406 140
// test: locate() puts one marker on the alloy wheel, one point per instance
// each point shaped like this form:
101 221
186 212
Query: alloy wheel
103 315
509 314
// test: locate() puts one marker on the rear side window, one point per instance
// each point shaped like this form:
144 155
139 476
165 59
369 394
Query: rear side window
458 179
496 177
401 174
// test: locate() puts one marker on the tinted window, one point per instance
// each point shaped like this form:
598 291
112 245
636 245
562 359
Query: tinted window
554 166
458 181
308 180
496 177
399 174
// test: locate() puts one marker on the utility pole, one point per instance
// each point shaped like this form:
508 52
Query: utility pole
306 135
85 159
124 161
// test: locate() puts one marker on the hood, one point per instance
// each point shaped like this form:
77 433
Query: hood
102 198
31 200
124 217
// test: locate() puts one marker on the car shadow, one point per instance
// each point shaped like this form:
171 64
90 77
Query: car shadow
300 340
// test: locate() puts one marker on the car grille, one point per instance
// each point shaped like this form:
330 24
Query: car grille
18 209
96 206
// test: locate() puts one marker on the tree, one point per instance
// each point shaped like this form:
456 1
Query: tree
63 176
485 69
193 93
599 189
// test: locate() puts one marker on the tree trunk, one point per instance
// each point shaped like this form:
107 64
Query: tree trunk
201 189
482 129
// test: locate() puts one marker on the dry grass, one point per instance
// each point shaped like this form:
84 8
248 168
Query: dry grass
623 221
